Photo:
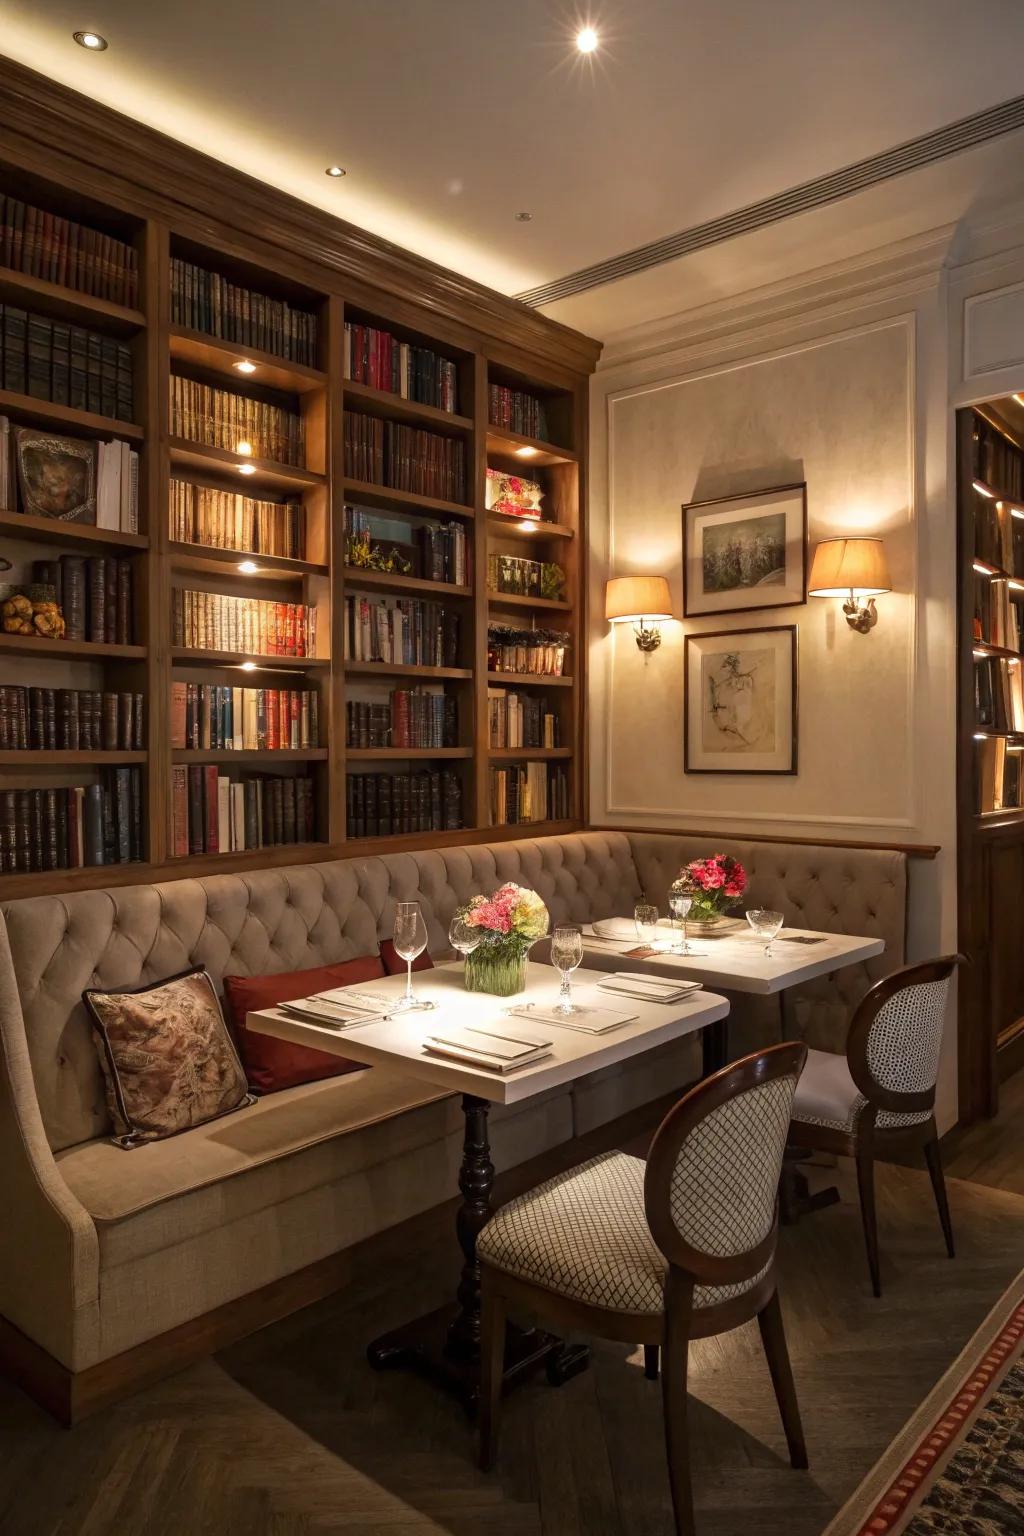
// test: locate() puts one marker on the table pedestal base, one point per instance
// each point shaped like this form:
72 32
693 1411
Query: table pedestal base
795 1198
425 1347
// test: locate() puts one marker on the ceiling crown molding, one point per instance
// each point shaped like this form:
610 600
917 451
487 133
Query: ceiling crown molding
112 156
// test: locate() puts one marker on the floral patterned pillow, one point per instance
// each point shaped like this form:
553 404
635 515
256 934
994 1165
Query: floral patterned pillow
167 1058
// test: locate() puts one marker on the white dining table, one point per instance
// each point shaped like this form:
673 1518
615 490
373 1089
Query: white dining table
445 1344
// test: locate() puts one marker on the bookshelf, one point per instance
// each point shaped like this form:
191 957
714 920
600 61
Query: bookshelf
990 775
287 309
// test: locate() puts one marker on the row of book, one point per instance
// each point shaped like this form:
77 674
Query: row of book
209 717
529 792
996 460
411 718
377 358
42 244
215 621
402 631
390 804
517 720
205 301
433 552
69 479
998 534
999 775
72 827
221 419
203 514
95 595
66 364
535 652
117 487
212 813
404 458
70 720
516 411
996 619
999 694
524 578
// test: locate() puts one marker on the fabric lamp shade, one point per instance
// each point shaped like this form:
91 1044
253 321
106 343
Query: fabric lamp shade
842 566
629 598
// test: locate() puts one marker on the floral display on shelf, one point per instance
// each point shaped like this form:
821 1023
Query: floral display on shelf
508 922
513 495
367 556
525 651
715 884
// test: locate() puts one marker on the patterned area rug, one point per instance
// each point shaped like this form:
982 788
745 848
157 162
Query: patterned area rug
957 1467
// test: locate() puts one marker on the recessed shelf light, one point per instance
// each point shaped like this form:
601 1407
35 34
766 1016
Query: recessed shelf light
980 655
526 453
335 170
980 736
245 366
983 490
248 666
247 469
586 40
90 40
244 448
523 217
982 570
248 567
528 525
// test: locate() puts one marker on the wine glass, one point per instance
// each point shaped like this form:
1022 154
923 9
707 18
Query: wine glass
765 924
566 954
410 940
463 937
645 915
680 904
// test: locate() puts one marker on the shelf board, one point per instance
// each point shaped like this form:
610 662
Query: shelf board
219 562
515 600
394 669
185 454
991 492
405 501
67 417
357 576
250 755
411 754
45 758
211 861
67 303
188 656
515 754
219 356
988 569
68 650
524 679
381 402
983 650
505 444
515 528
50 530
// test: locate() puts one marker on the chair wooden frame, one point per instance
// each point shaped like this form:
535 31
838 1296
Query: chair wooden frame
868 1141
671 1330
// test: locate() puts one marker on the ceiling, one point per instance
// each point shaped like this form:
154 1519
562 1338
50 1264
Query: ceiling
450 116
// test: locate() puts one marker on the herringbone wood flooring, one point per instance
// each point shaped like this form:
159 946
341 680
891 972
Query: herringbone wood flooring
289 1433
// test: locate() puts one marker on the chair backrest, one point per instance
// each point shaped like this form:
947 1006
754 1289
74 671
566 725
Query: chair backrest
895 1041
712 1182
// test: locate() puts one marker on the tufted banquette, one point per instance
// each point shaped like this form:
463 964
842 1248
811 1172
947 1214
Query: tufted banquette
106 1249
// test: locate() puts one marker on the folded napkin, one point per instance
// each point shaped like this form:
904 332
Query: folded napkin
655 989
588 1019
487 1048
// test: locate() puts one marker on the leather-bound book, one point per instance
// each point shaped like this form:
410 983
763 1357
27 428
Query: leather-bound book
289 825
210 818
96 571
8 833
179 811
23 830
50 719
195 808
179 714
108 723
384 812
125 721
123 621
252 825
135 837
68 732
37 836
73 799
139 723
92 824
110 600
57 828
37 728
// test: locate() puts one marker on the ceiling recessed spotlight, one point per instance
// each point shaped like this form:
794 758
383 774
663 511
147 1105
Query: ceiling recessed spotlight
245 366
586 40
526 453
248 567
335 170
244 448
90 40
247 469
523 218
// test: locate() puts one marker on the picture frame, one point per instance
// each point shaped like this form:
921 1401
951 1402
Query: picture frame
56 476
741 701
745 553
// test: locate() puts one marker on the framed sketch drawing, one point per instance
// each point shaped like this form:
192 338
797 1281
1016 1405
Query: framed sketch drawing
741 553
741 701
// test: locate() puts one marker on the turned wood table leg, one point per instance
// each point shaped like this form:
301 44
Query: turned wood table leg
476 1181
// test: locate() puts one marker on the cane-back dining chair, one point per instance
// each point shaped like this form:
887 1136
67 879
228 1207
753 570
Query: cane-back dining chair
679 1248
879 1097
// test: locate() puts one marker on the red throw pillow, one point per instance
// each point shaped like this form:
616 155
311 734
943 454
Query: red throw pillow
395 965
272 1064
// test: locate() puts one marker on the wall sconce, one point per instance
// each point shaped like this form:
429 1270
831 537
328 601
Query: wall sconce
856 570
642 601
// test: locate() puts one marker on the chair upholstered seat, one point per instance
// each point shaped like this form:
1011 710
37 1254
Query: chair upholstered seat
827 1095
584 1235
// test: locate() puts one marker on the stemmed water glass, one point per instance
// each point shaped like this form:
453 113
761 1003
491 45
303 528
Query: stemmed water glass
765 924
566 955
645 915
464 937
410 940
680 904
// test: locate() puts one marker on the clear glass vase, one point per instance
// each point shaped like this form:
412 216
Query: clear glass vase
492 969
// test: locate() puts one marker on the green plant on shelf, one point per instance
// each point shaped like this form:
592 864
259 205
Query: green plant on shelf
552 581
368 556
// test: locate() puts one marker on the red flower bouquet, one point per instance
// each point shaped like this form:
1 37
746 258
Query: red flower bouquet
715 885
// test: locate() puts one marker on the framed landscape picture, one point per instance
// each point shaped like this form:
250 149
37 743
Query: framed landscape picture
741 701
741 553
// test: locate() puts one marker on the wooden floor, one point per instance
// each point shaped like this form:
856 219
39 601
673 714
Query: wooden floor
289 1432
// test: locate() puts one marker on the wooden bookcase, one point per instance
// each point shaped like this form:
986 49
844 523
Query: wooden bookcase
171 202
990 769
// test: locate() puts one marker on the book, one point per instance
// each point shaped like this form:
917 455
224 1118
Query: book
385 805
221 418
70 827
202 300
516 410
202 514
68 252
378 358
218 622
406 458
41 357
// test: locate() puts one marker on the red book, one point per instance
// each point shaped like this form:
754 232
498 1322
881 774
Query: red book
211 816
272 732
179 811
179 697
294 718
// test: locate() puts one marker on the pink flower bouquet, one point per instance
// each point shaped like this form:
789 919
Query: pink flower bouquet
715 884
509 922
